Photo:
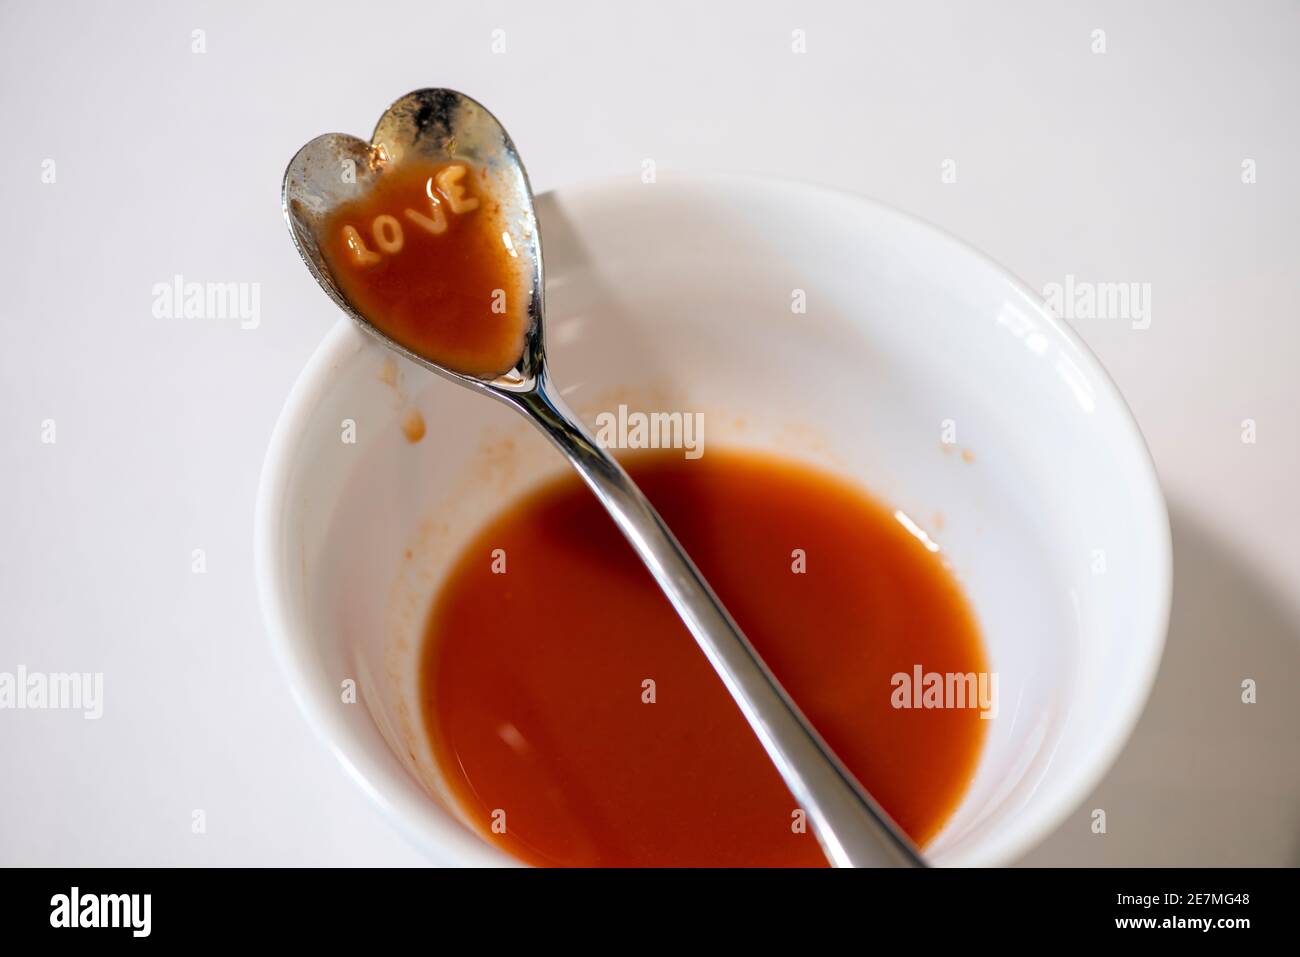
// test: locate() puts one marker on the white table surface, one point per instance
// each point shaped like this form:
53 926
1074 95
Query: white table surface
1122 166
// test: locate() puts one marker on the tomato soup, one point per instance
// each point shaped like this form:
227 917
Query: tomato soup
426 256
579 724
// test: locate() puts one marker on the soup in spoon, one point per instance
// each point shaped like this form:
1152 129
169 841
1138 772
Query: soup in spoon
426 256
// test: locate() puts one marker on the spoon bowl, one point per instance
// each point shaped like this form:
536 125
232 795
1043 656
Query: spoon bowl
439 126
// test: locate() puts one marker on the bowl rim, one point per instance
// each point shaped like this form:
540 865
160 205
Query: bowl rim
408 809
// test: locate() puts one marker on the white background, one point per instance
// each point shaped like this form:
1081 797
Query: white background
1122 166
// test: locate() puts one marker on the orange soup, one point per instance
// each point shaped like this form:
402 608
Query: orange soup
426 257
579 724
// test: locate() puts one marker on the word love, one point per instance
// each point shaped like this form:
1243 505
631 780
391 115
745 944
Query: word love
386 230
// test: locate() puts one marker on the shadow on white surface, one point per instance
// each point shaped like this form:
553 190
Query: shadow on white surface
1206 780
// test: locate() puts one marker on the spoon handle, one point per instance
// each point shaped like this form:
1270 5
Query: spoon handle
852 828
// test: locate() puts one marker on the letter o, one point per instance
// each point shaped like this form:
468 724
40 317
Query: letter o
387 232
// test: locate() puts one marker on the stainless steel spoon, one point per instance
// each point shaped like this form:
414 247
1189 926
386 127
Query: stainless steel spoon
442 126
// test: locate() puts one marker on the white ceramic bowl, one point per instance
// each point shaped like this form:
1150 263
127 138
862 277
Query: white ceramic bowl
681 295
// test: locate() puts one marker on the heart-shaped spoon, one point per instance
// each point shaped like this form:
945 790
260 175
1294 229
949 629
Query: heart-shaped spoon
442 127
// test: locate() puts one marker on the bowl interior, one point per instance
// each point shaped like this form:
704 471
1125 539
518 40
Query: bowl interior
801 321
